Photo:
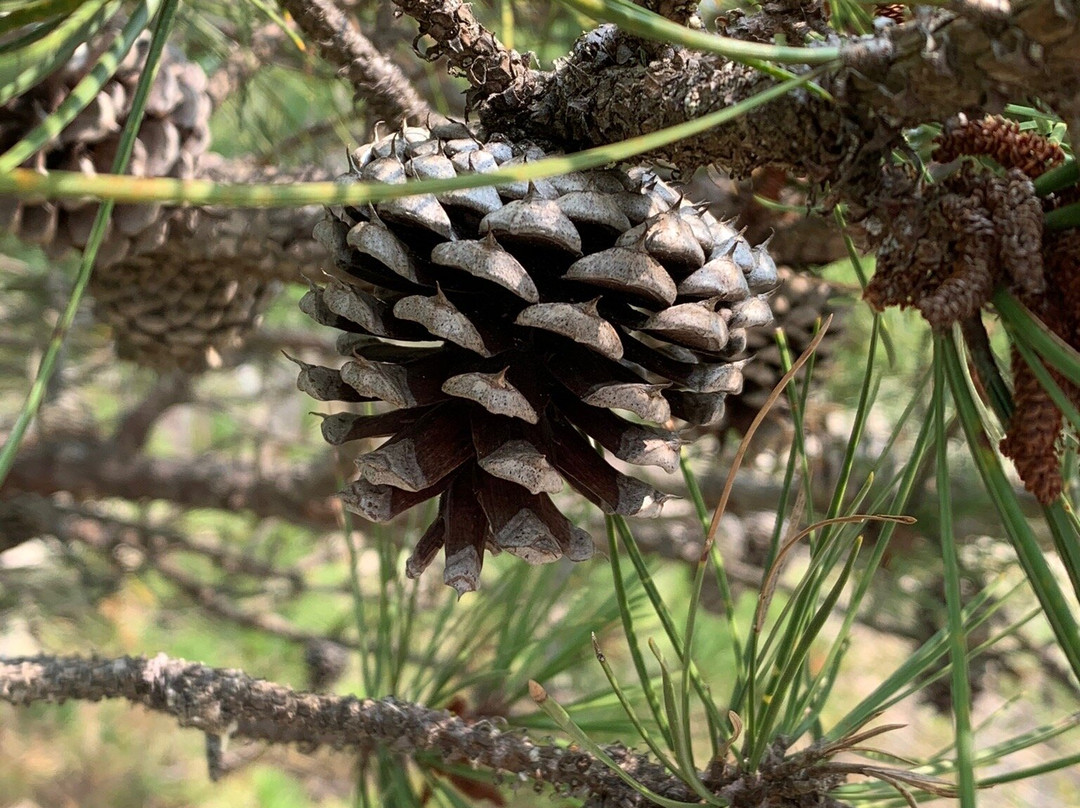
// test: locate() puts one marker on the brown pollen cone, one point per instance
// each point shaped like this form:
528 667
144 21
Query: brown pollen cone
957 241
1032 441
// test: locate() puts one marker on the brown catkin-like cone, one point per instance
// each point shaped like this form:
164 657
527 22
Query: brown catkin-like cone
509 326
1033 430
1061 253
1059 306
1032 436
998 138
964 291
949 249
957 241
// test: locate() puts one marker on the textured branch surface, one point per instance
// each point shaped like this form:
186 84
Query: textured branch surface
927 69
470 49
231 703
385 88
684 12
86 466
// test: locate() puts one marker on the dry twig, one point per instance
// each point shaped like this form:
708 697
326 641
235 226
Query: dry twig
231 703
389 94
228 702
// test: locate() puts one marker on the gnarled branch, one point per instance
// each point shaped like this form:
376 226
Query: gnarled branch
470 49
229 702
927 69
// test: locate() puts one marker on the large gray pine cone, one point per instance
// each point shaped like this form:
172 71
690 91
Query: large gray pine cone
504 326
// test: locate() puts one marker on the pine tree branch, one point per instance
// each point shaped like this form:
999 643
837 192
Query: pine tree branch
679 11
387 91
470 49
228 702
83 465
925 70
136 424
107 536
231 703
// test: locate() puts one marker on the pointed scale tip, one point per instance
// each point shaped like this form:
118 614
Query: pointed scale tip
299 362
592 307
461 585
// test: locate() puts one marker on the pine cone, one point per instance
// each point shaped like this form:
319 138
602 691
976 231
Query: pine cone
505 324
197 295
173 136
326 663
797 304
178 287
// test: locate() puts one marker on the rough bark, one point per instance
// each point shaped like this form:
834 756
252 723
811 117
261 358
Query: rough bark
231 703
928 69
228 702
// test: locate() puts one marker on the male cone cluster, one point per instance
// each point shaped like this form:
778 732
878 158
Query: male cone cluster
506 326
976 230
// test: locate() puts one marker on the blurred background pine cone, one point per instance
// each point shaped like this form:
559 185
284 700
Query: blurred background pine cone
174 135
799 303
180 288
